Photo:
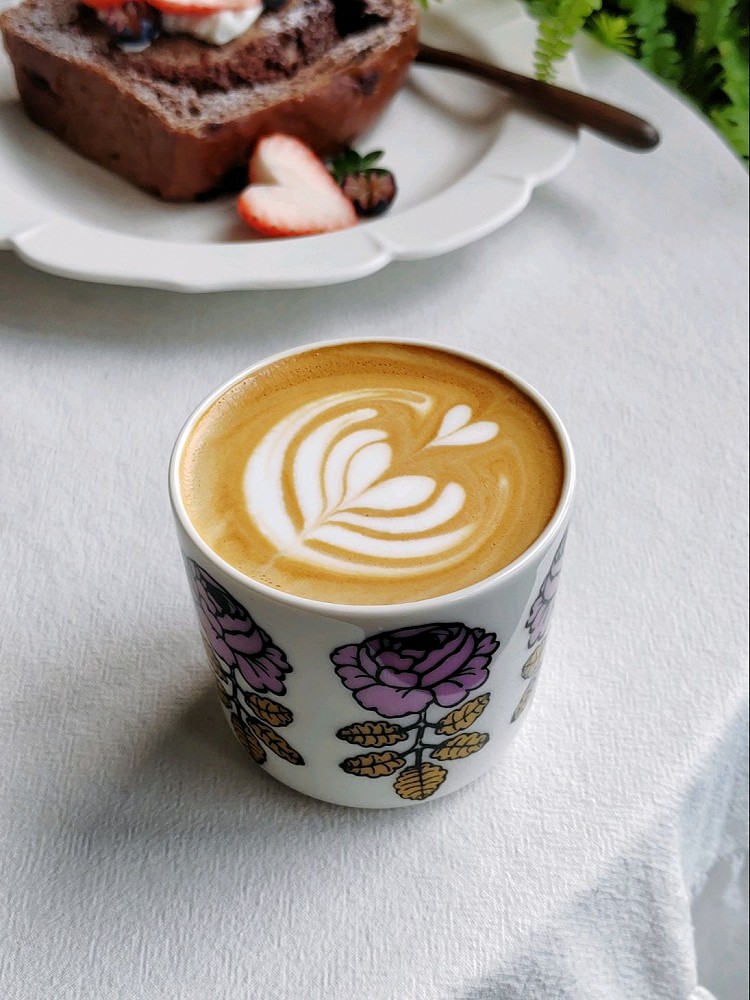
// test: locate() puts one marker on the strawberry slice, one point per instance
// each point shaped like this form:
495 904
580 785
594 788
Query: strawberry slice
291 192
200 8
203 8
103 4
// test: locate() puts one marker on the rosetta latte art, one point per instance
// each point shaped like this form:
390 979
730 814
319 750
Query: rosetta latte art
331 484
371 473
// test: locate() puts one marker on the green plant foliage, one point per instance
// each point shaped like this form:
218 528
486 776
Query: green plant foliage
732 118
614 31
658 49
698 46
711 19
556 34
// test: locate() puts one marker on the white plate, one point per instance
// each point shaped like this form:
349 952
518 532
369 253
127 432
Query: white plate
465 160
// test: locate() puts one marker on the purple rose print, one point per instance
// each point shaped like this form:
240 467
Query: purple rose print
243 656
402 672
541 609
401 675
235 638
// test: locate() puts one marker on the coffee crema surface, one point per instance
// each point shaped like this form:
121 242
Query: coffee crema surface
371 473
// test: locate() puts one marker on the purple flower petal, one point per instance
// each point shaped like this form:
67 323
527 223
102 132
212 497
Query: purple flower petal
345 655
450 693
221 649
206 621
398 679
354 677
452 663
258 679
445 643
368 662
541 609
403 634
233 623
247 643
391 658
488 642
391 703
275 660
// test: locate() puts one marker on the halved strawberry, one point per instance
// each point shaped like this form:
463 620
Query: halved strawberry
291 192
103 4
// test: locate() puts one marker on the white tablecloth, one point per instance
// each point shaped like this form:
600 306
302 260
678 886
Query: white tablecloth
143 855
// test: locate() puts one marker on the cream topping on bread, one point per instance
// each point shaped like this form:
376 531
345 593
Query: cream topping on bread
216 29
135 24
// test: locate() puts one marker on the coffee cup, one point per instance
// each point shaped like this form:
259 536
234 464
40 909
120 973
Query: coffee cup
373 533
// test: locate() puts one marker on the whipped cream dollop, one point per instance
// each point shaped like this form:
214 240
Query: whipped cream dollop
216 29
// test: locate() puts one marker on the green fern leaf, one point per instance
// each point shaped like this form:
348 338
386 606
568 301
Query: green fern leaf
732 119
542 10
733 125
711 18
614 32
658 51
556 34
735 73
662 56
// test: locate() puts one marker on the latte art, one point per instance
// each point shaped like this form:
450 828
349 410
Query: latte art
352 508
371 473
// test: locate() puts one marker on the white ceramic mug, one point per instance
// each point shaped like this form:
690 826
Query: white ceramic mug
289 670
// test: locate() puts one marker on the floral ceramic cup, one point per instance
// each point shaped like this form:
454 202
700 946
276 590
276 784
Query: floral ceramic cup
377 706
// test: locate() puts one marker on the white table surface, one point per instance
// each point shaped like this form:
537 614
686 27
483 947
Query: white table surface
144 857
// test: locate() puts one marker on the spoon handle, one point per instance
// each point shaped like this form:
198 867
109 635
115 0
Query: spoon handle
565 105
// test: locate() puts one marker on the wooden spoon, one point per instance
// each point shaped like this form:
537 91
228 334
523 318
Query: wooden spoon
566 105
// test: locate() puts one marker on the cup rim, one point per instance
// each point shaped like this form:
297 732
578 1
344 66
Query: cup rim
384 611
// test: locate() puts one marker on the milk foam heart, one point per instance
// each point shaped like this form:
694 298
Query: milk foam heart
371 473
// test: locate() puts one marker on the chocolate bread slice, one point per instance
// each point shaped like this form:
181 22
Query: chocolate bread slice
180 119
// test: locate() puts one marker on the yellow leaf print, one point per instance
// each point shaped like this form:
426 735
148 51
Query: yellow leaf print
373 765
373 734
268 710
276 743
463 745
420 781
463 716
224 698
248 740
525 698
533 663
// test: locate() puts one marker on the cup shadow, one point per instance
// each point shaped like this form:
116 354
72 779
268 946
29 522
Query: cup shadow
193 769
192 779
